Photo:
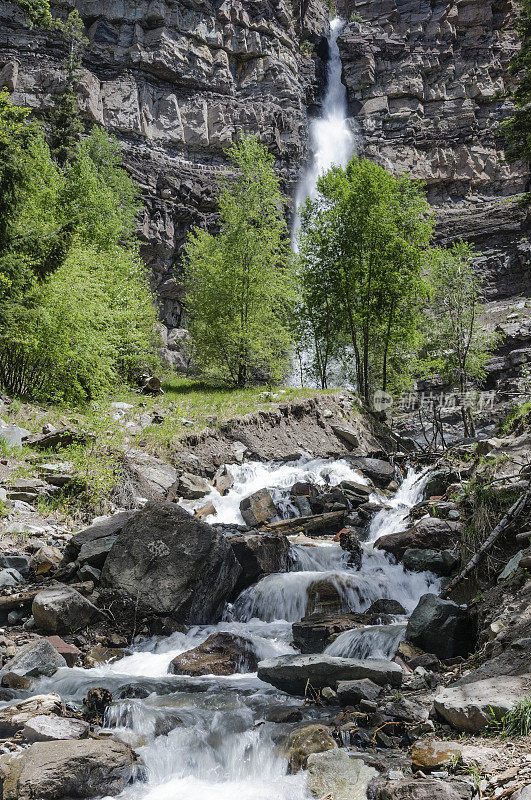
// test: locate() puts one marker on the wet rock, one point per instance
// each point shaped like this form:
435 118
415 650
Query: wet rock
385 606
425 789
33 659
97 700
223 480
406 710
349 541
441 627
192 487
62 609
47 728
471 706
284 714
428 534
102 655
222 654
208 510
291 673
304 742
440 562
53 770
175 565
336 774
357 493
316 631
379 471
439 480
259 555
323 596
14 717
350 693
258 508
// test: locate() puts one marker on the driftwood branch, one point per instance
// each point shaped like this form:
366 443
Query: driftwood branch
513 512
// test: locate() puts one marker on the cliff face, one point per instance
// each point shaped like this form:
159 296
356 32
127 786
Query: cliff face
426 81
176 80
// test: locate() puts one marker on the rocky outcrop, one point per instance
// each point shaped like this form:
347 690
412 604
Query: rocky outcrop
472 706
222 653
441 627
426 86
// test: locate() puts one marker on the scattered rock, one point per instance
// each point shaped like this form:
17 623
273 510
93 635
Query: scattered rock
352 692
222 654
47 728
441 627
192 487
96 551
284 714
46 559
53 770
14 717
10 577
100 529
440 562
406 710
36 658
258 508
425 789
471 706
337 775
69 652
62 609
378 470
57 439
175 565
291 673
304 742
427 534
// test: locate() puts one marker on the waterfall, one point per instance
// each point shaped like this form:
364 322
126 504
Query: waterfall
331 138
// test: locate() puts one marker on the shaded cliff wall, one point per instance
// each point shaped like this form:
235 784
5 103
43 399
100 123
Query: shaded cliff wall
426 81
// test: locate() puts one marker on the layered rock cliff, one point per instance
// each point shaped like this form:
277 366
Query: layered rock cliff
175 81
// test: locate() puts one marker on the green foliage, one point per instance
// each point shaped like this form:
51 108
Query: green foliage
76 314
37 11
518 420
362 247
517 129
458 346
306 47
517 721
240 281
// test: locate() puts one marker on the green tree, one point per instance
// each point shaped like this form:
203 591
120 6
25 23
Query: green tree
517 129
65 120
363 243
458 345
240 281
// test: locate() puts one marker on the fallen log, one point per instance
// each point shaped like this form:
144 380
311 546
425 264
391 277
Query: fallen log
511 515
317 524
22 599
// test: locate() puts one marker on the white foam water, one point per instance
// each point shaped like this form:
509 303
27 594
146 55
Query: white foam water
373 641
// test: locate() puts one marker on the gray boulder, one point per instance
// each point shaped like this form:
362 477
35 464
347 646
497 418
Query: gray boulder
174 564
471 706
291 673
338 775
33 659
19 562
439 480
258 508
48 728
13 436
259 555
351 692
441 627
379 471
440 562
425 789
192 487
429 533
95 552
62 609
10 577
102 528
14 717
55 770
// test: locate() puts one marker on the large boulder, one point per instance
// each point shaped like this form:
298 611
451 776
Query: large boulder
305 741
292 673
14 717
336 774
60 769
259 554
49 728
174 564
223 653
471 706
103 528
316 631
38 657
258 508
441 627
62 609
440 562
429 533
379 471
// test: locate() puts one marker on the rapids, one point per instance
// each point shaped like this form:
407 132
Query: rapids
206 737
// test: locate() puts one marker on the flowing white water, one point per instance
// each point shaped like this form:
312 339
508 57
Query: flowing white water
331 138
206 737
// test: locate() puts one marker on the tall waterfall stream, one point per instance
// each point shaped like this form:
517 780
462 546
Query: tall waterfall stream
206 737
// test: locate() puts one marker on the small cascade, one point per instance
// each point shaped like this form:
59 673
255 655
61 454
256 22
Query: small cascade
373 641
